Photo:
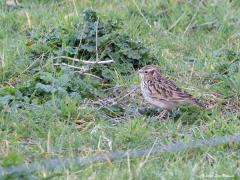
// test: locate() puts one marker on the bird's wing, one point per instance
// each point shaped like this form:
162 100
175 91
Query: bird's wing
170 91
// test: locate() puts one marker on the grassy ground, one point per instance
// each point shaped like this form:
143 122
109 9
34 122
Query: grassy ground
196 44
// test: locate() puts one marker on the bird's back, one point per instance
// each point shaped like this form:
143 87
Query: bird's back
169 92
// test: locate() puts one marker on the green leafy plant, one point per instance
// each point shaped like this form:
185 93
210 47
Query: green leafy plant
96 40
11 159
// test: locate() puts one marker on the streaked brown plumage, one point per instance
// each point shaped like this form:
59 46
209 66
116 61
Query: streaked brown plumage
162 92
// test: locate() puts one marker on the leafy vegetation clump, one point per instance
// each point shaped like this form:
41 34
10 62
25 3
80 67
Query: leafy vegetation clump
96 41
55 77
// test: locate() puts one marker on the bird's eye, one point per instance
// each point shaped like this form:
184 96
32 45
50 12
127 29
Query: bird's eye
145 72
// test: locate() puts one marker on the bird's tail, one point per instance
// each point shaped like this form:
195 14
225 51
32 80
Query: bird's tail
197 102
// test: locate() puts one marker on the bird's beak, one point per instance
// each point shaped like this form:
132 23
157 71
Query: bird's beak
139 71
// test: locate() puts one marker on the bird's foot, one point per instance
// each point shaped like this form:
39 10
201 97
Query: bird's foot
162 115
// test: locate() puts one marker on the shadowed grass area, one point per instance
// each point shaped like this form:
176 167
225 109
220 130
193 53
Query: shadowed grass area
50 112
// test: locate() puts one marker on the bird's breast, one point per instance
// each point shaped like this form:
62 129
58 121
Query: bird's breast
149 96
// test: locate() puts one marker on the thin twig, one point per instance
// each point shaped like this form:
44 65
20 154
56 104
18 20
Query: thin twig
210 23
108 102
80 72
25 70
176 22
2 60
49 142
117 99
83 61
28 19
194 16
129 167
71 66
115 87
80 42
75 8
36 60
140 11
145 160
97 60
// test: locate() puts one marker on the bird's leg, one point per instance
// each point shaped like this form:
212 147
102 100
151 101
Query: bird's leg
162 114
173 111
142 109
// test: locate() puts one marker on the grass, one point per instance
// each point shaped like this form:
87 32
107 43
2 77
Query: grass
196 44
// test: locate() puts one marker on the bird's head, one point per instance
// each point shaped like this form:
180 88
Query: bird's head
148 72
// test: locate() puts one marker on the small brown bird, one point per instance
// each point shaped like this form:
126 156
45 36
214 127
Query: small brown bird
162 92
